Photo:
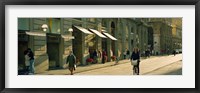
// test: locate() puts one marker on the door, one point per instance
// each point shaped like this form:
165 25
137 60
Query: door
53 53
22 46
53 41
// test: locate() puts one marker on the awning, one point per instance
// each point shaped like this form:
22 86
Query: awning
67 36
32 33
98 33
83 30
110 36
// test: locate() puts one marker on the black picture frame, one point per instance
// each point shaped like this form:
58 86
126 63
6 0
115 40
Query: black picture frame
3 3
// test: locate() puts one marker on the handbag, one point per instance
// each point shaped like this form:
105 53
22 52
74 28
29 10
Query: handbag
74 66
134 62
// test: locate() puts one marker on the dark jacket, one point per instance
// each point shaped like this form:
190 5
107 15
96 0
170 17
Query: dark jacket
127 52
135 56
95 54
31 55
71 59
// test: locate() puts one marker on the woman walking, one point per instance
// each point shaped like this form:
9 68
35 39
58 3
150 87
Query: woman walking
135 61
27 62
32 61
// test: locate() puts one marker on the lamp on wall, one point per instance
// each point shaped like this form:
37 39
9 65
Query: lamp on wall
70 30
44 27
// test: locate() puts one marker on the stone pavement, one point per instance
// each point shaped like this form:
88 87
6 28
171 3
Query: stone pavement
171 69
82 68
148 66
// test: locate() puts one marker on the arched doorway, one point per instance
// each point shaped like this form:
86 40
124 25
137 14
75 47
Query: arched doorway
150 38
113 42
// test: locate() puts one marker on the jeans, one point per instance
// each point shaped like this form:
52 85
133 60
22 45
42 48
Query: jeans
32 69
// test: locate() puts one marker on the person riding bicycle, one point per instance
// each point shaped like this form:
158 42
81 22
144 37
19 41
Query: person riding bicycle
136 57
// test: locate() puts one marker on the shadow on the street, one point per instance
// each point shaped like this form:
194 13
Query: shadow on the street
171 72
174 72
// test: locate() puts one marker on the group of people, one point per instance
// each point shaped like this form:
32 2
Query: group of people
96 55
71 61
29 61
135 56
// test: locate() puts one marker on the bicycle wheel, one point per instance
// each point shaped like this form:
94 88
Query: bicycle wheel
137 70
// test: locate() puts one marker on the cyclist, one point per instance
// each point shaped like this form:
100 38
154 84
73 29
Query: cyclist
135 57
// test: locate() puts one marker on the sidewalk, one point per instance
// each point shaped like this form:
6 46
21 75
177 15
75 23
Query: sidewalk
171 69
146 65
82 68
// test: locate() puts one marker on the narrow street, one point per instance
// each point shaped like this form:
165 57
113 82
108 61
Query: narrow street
165 65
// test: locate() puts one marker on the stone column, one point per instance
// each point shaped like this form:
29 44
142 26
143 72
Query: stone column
156 37
123 37
134 35
117 29
67 23
108 29
38 46
83 59
129 37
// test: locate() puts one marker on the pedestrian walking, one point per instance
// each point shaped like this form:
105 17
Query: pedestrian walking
168 51
117 58
95 56
71 59
128 54
124 54
99 56
32 61
135 61
174 52
152 52
27 62
104 56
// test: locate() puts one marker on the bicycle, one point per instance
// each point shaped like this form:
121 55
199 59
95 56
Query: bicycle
136 70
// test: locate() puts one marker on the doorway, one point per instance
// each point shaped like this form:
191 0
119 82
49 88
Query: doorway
53 41
22 46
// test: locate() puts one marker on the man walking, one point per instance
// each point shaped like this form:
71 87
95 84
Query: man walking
71 59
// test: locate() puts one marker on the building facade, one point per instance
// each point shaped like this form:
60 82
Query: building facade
51 43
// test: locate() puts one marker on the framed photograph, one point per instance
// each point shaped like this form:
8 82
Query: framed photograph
91 46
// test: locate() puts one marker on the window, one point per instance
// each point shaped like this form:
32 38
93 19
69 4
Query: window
92 20
23 24
54 25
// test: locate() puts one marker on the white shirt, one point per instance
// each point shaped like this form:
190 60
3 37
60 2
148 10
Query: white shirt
27 60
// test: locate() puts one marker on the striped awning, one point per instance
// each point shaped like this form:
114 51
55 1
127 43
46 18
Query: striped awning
34 33
97 33
110 36
83 30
